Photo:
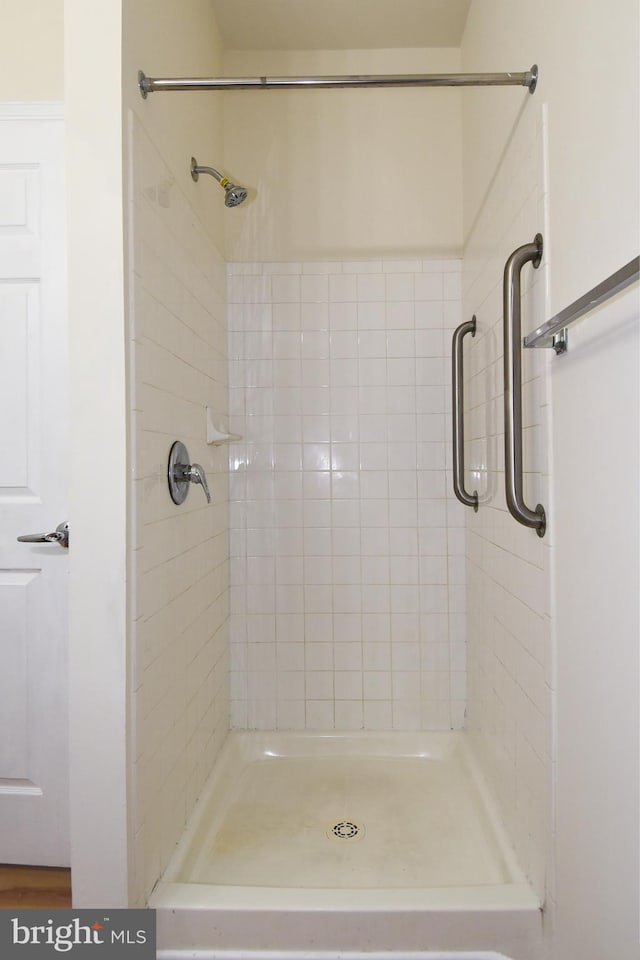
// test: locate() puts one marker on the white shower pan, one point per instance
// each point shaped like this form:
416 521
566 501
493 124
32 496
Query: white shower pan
311 845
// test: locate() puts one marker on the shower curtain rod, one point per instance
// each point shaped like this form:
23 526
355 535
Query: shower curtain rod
528 79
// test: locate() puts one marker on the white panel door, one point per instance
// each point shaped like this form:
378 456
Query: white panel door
33 485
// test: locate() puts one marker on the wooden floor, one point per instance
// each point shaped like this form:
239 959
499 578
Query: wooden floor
35 887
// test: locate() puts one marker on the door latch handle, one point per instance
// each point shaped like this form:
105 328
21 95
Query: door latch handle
60 535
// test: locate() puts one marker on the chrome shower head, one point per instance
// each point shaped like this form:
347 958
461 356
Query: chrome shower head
234 195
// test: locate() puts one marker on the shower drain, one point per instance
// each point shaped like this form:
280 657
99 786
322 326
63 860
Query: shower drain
345 830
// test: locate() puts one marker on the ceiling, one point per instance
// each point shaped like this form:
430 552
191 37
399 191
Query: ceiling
340 24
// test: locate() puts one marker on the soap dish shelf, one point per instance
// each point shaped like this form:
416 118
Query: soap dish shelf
217 437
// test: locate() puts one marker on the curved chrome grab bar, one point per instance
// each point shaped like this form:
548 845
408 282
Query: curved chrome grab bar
469 499
513 387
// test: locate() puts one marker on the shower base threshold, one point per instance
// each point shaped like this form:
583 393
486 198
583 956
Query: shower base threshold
344 843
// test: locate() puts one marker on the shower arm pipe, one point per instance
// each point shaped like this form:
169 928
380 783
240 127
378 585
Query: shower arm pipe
468 499
197 169
529 79
529 253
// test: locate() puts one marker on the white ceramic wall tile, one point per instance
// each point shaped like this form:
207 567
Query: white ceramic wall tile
339 497
180 564
508 566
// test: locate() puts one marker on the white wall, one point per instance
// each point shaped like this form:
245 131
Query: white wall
347 546
177 345
97 498
344 174
596 444
588 58
31 50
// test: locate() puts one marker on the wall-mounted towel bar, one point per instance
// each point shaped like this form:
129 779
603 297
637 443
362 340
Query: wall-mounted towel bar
469 499
530 252
545 334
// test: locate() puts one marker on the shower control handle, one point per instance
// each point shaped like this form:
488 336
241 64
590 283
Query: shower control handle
195 474
182 473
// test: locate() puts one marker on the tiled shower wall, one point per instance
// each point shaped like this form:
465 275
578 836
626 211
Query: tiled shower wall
510 655
179 559
347 549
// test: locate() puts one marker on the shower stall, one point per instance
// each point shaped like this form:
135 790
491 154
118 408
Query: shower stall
343 671
347 603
